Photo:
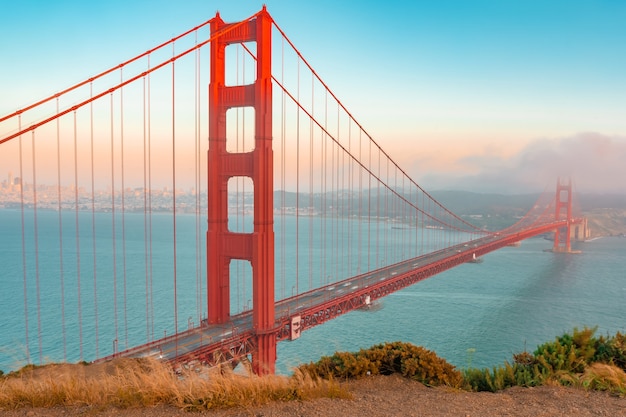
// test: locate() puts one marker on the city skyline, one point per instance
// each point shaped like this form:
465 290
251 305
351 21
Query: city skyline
483 96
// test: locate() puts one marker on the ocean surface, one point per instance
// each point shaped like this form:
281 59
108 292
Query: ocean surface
475 315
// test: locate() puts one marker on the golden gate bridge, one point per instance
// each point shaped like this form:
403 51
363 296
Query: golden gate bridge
307 217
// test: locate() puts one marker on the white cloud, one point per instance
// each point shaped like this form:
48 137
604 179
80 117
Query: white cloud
595 162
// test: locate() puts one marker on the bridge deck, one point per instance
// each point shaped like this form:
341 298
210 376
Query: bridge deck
218 343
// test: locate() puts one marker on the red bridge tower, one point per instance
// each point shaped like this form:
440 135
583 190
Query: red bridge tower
222 244
563 203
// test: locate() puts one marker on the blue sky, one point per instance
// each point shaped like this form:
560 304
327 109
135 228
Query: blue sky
494 95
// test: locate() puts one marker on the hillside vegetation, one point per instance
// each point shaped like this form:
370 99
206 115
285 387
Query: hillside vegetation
607 222
606 213
580 359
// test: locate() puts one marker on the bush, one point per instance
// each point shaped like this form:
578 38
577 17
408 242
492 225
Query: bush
569 353
577 359
506 376
411 361
613 351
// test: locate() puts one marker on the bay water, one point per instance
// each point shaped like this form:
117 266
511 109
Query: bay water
475 315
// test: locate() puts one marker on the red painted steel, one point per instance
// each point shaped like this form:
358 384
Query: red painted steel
317 314
306 311
223 245
242 339
223 338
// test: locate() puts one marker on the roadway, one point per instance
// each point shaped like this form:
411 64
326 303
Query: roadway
235 338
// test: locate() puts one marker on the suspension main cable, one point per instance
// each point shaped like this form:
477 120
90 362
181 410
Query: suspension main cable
226 29
378 177
102 74
284 35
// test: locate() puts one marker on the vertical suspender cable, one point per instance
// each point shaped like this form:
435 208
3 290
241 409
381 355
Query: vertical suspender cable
334 230
369 209
297 286
145 213
335 203
283 153
333 208
113 234
391 211
407 219
397 214
309 219
78 277
36 241
440 234
429 243
388 245
59 208
323 179
350 190
197 183
341 219
174 194
93 224
360 222
123 207
422 225
151 274
404 246
25 274
378 262
419 232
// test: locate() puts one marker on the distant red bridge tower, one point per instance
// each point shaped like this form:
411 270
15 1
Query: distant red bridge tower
222 244
562 242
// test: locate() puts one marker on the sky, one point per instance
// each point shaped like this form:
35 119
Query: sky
478 95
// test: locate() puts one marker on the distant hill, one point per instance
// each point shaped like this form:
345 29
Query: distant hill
465 202
606 212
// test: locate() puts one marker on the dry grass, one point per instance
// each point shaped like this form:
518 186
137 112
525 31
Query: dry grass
597 376
143 383
604 377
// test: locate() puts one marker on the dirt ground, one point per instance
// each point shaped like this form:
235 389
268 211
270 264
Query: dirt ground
395 396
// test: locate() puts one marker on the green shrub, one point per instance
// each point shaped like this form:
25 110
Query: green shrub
566 360
612 350
411 361
505 376
569 353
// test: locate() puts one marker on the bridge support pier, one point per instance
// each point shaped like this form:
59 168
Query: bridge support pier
223 245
